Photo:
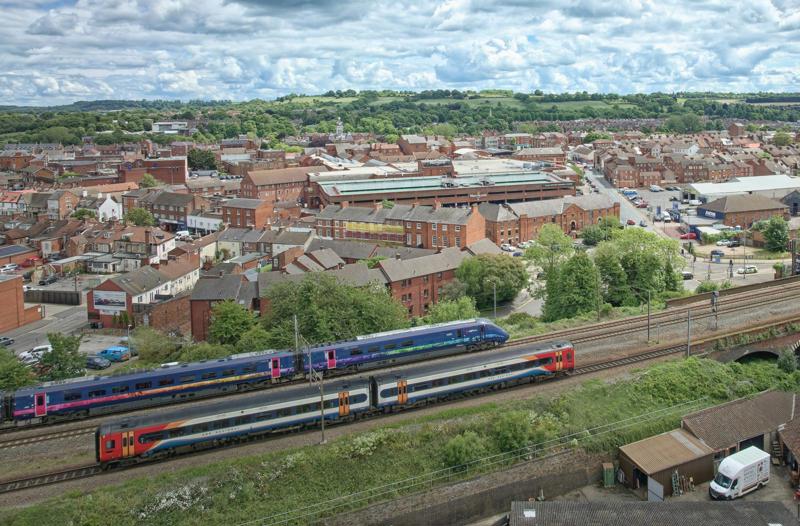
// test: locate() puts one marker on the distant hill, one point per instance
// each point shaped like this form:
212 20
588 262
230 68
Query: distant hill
111 105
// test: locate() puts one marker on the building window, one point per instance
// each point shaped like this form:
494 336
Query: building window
419 226
444 228
444 240
433 226
434 240
458 228
419 239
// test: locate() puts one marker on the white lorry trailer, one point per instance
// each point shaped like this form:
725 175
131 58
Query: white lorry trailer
740 474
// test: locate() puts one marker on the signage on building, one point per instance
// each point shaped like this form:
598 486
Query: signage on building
110 302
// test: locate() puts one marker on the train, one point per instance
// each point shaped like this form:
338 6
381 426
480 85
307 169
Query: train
137 439
171 383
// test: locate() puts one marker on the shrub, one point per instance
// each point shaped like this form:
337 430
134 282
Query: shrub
511 430
463 449
787 361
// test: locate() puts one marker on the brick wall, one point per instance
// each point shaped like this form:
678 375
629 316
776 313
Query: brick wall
12 308
167 316
419 293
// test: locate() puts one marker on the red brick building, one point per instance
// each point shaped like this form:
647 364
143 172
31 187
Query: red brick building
209 291
554 155
287 184
417 283
246 213
13 313
169 170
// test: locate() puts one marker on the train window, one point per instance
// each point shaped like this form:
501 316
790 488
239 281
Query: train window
186 379
200 428
355 351
249 369
124 441
470 376
389 347
486 372
152 437
358 399
99 392
144 385
119 389
228 372
375 349
331 403
459 333
206 376
72 395
408 343
285 411
166 381
389 392
110 444
220 424
241 420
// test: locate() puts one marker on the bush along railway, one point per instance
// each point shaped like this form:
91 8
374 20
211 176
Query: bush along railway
172 383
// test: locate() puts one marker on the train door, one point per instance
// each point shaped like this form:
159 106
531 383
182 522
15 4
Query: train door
558 361
275 367
127 444
402 392
330 357
344 403
40 404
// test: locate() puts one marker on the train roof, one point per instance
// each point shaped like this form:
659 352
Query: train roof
438 366
144 374
410 331
235 403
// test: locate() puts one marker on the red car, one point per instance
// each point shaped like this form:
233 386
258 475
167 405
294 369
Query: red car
643 204
631 222
32 262
690 235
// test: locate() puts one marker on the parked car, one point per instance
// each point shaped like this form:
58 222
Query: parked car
642 223
32 262
747 269
674 198
525 244
643 204
518 254
735 243
8 268
667 218
723 243
5 341
687 275
97 362
51 278
716 252
631 222
689 235
117 353
506 247
34 355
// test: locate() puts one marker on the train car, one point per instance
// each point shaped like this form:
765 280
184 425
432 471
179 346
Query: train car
177 431
80 397
428 382
385 348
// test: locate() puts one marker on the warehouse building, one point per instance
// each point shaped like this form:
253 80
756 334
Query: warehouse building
772 186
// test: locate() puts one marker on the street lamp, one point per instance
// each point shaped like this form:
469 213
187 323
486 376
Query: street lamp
493 281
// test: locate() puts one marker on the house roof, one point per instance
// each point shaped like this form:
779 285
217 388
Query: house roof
296 174
173 199
743 203
665 451
344 249
483 246
140 280
241 202
725 425
290 237
326 257
176 269
398 270
227 287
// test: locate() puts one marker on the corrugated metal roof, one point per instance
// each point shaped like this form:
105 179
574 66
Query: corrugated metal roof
666 450
728 424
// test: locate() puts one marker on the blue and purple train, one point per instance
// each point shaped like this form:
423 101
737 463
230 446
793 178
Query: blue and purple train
172 383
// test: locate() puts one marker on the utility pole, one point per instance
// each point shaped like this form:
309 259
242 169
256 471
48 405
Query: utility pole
688 332
648 315
494 296
314 377
715 307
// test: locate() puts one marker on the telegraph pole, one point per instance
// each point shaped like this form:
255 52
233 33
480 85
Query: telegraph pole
648 315
314 377
688 332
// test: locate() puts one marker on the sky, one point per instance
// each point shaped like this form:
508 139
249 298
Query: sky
56 52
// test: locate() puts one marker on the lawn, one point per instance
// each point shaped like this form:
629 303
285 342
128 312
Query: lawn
481 101
596 416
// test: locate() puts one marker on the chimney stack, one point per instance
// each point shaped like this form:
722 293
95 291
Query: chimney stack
344 204
437 204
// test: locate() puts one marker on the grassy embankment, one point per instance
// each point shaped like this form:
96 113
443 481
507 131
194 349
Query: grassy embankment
244 489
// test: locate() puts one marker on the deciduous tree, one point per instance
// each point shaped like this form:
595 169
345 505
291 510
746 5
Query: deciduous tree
148 181
462 308
13 373
776 234
229 321
140 217
572 289
65 360
484 273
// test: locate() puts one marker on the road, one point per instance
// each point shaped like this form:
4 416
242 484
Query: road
58 318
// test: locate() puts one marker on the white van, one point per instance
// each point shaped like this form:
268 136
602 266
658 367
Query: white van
740 474
182 233
695 202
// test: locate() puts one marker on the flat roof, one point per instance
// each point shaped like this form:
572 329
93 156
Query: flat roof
13 250
411 184
665 451
742 185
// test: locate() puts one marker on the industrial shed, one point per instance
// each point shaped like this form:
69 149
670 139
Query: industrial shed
650 463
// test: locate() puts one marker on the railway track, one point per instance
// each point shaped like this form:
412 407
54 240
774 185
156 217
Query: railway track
45 437
50 478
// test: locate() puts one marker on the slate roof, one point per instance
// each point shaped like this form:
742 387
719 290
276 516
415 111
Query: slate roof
241 202
728 424
227 287
345 249
632 513
743 203
398 270
450 215
496 212
296 174
326 257
173 199
140 280
483 246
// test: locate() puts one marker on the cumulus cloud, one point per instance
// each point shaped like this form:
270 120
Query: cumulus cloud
53 52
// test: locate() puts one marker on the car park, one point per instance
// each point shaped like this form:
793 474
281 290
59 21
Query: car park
747 269
5 341
667 218
97 362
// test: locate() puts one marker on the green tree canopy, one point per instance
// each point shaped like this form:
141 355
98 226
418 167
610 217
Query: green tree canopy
256 338
229 321
462 308
614 281
782 139
572 289
154 347
84 213
201 159
148 181
776 234
65 360
479 273
552 248
328 310
13 373
140 217
453 290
